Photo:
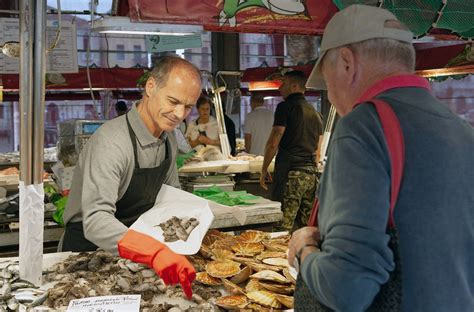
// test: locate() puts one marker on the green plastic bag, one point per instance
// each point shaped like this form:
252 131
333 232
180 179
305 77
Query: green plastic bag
181 159
217 195
58 214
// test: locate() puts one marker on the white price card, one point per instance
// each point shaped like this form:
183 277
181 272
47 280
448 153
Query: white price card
122 303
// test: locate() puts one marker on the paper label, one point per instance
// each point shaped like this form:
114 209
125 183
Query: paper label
123 303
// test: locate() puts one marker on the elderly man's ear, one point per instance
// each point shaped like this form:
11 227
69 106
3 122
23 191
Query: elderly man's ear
348 59
347 64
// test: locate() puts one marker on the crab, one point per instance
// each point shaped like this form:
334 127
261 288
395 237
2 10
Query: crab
264 298
222 268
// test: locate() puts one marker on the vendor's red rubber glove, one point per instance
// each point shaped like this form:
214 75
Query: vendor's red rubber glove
171 267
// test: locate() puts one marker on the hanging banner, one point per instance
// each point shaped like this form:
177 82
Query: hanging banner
252 16
171 43
62 59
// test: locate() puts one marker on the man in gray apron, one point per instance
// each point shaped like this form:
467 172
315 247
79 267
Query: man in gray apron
124 164
295 133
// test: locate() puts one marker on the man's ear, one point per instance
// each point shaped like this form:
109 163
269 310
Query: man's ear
347 57
150 86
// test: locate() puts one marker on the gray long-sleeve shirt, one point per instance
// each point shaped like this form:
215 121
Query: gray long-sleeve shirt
103 173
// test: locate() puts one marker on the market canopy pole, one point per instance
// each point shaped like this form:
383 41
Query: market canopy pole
32 88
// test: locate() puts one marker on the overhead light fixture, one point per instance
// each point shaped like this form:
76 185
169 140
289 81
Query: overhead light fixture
122 25
264 85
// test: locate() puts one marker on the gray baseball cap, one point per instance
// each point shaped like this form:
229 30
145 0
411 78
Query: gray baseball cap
355 23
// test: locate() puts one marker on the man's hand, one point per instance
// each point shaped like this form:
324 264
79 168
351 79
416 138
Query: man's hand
263 176
307 236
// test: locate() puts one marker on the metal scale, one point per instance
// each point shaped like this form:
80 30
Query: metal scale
72 136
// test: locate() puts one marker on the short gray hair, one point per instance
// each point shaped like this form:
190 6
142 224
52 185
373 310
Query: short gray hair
165 64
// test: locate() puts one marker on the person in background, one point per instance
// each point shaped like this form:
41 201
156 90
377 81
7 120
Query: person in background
230 131
355 259
295 133
122 168
258 125
203 130
121 108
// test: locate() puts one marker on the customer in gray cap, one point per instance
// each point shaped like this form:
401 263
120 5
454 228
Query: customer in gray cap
363 255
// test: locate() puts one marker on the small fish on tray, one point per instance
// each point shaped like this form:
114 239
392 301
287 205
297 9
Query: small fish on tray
178 228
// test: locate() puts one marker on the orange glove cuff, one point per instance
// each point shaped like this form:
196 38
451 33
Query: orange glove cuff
139 247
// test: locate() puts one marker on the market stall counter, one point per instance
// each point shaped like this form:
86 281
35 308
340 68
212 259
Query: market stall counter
256 213
246 272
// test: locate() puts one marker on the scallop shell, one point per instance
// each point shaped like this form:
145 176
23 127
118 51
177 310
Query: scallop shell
278 288
261 266
253 236
264 298
232 302
232 288
253 285
277 262
212 236
287 301
242 276
287 274
271 254
252 307
205 251
225 243
281 238
275 246
207 279
248 249
222 268
269 275
222 254
242 260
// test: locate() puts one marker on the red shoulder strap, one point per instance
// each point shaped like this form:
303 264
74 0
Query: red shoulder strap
396 149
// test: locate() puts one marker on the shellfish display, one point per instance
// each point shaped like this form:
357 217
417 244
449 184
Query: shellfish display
222 268
232 302
237 273
250 269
